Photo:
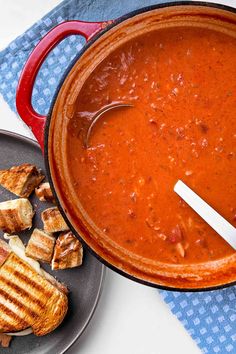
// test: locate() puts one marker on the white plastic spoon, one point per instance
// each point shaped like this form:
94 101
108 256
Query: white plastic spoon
214 219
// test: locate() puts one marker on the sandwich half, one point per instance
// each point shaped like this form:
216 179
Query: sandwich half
29 297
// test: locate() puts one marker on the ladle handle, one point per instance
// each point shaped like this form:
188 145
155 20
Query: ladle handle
211 216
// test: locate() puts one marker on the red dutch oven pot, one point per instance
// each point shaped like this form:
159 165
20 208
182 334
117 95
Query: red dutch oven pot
102 38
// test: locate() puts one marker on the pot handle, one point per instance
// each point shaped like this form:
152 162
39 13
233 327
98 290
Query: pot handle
24 90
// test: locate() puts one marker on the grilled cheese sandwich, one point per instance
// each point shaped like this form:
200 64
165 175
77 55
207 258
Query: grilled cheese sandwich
27 298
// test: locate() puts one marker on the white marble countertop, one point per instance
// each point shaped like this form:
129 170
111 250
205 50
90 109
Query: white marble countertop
130 318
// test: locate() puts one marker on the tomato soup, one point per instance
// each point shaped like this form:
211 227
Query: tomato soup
181 83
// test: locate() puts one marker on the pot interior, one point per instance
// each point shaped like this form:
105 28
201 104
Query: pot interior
186 273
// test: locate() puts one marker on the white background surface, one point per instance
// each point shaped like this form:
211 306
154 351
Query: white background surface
130 318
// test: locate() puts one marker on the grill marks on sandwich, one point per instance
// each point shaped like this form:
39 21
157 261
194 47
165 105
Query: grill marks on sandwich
11 287
26 281
12 319
26 311
30 283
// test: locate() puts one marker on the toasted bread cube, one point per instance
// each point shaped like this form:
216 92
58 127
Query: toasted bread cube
44 193
16 215
68 252
40 246
21 180
53 220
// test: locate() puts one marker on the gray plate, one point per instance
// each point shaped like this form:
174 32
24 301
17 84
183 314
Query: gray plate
85 283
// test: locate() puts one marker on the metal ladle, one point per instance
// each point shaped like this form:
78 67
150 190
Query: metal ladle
99 114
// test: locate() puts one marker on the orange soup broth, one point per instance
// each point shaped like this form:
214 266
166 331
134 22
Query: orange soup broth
182 85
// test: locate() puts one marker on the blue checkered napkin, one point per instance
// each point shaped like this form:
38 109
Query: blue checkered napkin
209 317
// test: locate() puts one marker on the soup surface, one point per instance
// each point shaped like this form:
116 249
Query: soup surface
182 84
